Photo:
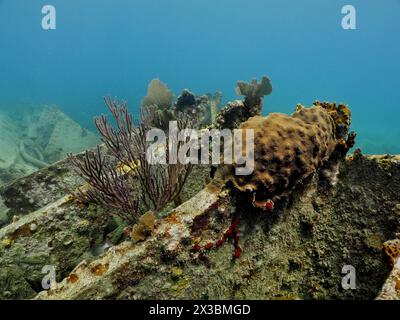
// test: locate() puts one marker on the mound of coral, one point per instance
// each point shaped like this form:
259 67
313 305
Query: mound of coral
288 149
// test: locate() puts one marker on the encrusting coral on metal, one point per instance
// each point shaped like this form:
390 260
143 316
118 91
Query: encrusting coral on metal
288 149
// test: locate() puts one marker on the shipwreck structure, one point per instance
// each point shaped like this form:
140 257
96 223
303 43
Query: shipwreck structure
284 232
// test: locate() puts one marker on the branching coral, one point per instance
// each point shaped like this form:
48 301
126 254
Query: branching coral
111 183
107 187
160 183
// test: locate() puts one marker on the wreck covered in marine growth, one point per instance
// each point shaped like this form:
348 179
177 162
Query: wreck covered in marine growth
132 230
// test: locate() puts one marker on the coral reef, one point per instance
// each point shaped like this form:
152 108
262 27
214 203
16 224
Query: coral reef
324 212
202 109
296 251
288 149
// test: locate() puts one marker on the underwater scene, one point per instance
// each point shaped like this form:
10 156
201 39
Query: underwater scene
199 150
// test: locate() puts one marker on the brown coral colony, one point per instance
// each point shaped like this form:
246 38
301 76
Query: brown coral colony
288 149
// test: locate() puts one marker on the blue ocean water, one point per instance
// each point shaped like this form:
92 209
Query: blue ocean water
115 47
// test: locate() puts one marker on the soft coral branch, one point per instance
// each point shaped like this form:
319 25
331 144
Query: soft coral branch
126 142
